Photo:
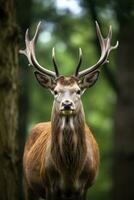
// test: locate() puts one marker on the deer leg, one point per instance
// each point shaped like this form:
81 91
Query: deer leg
49 196
84 196
29 193
53 196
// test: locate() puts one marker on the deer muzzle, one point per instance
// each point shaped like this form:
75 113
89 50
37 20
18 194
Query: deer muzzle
67 107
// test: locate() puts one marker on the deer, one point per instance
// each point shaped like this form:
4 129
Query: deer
61 157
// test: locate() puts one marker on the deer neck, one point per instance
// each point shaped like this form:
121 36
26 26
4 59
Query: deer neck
68 139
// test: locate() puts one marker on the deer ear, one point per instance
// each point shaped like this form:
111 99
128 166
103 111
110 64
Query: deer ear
44 80
89 80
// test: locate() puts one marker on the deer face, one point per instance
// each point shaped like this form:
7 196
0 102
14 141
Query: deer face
67 91
67 95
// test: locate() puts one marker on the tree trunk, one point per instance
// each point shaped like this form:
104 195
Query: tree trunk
8 101
124 122
24 22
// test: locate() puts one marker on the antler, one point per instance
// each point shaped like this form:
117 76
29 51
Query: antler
79 62
29 52
105 44
54 62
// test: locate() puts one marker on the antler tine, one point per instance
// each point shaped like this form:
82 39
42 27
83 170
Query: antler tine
79 62
26 52
105 44
54 62
29 52
36 32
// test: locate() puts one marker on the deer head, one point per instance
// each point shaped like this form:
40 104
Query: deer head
68 90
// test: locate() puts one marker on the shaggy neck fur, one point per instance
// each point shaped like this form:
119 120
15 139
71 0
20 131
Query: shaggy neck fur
68 146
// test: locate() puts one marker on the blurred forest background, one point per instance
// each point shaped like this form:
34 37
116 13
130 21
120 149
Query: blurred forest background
109 105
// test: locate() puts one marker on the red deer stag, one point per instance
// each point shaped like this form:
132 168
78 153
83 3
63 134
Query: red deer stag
61 157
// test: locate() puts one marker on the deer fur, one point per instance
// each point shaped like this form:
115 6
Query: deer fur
61 157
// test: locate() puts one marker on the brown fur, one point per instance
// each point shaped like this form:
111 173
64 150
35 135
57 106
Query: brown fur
38 144
67 81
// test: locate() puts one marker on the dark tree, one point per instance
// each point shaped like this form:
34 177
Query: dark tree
8 101
23 20
124 122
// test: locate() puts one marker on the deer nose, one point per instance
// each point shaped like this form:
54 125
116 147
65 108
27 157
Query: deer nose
67 104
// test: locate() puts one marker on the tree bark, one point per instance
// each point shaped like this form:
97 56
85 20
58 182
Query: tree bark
124 121
8 101
24 22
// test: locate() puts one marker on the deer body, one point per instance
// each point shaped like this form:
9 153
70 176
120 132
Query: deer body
61 157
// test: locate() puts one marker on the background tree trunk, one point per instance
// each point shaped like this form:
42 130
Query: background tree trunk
8 101
124 122
24 21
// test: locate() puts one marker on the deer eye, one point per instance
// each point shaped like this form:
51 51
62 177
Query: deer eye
78 92
55 92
